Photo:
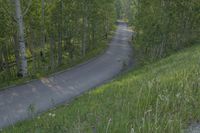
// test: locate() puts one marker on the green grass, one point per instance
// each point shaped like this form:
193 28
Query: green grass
163 97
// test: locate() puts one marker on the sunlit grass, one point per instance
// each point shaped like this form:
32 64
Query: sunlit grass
159 98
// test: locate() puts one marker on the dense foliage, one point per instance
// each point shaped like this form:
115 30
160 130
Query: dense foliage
163 26
57 33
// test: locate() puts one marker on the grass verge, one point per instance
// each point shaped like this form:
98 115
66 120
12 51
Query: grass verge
159 98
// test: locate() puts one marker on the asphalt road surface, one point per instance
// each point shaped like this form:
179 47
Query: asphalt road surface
21 102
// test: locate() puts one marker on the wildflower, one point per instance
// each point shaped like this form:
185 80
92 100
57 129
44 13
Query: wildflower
53 115
50 114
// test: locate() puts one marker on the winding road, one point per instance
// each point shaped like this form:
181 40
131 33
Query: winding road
17 103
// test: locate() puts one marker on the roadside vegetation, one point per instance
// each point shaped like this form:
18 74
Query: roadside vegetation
162 97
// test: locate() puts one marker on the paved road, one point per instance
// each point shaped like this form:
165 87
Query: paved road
17 103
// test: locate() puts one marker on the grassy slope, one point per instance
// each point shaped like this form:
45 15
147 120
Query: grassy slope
159 98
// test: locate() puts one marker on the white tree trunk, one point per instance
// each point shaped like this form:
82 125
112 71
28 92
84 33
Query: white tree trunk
22 47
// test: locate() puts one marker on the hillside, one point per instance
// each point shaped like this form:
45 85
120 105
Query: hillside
160 97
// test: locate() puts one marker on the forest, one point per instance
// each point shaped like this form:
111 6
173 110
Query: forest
38 37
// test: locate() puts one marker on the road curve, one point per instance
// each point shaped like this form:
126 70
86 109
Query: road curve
18 103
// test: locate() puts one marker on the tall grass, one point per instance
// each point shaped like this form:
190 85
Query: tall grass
159 98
